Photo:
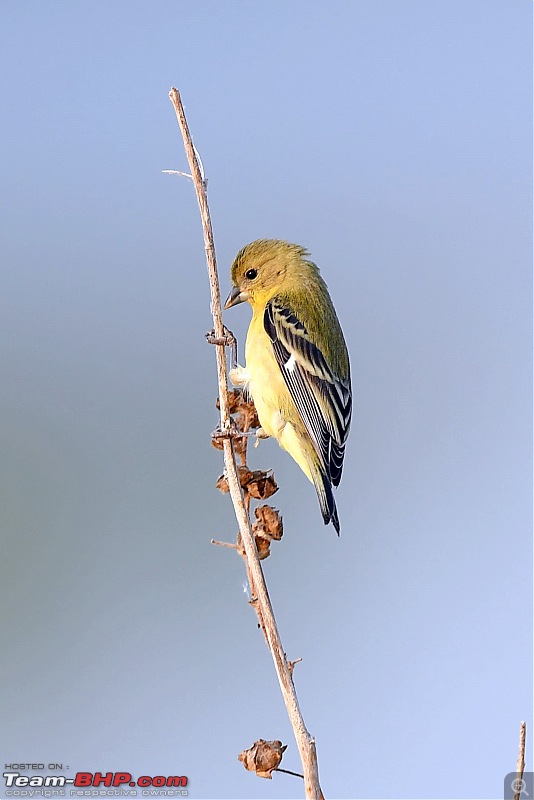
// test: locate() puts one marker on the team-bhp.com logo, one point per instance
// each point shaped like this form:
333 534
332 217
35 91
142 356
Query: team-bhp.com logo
94 784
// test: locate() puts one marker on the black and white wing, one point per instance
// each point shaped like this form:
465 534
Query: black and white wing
322 398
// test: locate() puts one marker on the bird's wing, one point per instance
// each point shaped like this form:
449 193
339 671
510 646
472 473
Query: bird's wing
323 399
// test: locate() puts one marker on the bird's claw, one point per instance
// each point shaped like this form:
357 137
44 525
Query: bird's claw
231 432
227 340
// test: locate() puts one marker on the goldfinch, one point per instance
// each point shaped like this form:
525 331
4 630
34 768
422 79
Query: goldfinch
297 365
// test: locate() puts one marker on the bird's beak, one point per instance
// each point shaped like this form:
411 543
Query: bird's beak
235 297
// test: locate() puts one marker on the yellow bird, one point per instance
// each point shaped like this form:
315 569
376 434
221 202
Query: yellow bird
297 365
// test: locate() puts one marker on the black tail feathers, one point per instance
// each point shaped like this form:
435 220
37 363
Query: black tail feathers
323 487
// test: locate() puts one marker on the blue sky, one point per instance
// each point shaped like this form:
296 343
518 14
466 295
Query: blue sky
393 139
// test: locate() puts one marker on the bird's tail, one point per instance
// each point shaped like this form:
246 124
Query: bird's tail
323 487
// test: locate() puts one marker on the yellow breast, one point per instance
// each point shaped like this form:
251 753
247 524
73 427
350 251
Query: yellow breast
277 412
265 381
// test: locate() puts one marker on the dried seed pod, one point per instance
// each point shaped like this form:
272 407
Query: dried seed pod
234 399
268 523
262 484
263 757
222 484
243 407
250 415
263 547
246 476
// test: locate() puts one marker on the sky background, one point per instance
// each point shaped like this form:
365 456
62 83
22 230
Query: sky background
393 139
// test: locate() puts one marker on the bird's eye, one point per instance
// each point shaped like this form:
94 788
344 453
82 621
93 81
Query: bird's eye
251 274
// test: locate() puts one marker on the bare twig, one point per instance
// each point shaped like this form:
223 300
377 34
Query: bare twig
520 761
224 544
177 172
305 742
291 664
288 772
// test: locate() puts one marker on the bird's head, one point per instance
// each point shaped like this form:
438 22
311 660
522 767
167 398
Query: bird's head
265 268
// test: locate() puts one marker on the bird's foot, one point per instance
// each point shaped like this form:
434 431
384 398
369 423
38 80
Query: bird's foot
231 432
227 340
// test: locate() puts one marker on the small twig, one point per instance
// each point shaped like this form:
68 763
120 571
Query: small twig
289 772
227 340
177 172
518 783
305 742
227 433
224 544
291 665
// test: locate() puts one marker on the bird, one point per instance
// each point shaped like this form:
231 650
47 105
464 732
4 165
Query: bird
297 364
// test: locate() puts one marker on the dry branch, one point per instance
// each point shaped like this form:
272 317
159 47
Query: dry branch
520 760
305 742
